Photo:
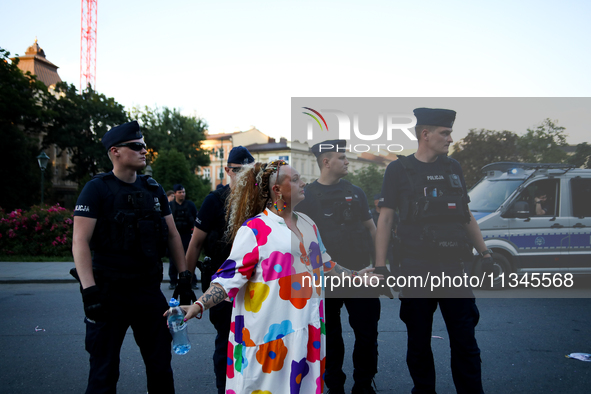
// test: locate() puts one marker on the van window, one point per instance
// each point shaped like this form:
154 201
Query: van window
488 195
581 194
542 197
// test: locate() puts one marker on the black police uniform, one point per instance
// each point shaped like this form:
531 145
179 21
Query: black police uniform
433 204
184 216
211 219
128 241
339 212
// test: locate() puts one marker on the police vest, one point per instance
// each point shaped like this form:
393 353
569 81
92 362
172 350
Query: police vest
134 223
439 206
338 214
183 219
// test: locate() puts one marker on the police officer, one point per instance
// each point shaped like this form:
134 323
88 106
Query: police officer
184 213
124 218
208 235
341 212
437 232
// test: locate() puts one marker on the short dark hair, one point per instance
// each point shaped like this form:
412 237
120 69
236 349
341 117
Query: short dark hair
420 127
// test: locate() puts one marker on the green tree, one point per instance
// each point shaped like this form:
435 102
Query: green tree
79 121
167 129
481 147
369 179
21 123
171 167
582 156
544 143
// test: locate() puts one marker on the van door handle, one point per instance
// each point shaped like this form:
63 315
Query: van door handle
557 225
579 225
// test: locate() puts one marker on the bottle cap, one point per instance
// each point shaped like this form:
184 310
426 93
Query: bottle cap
173 302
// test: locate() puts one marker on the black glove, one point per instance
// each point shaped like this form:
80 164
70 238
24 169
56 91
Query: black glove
183 291
94 305
488 264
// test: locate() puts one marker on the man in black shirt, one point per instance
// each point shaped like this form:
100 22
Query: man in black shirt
124 218
346 227
184 213
437 232
208 235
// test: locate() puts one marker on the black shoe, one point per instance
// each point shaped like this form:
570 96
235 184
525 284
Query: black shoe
172 286
365 389
339 390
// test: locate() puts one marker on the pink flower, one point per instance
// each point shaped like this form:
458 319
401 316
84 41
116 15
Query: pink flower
11 233
34 216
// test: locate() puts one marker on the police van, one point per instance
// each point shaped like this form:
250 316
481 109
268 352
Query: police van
535 217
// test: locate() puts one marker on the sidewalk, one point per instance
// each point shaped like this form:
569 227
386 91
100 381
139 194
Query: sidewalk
55 272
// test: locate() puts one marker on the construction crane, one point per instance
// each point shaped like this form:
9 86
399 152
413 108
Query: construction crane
88 44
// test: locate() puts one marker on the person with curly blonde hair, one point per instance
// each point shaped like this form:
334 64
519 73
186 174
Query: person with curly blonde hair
275 278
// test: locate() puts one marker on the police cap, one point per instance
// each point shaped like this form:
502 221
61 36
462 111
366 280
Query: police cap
125 132
435 117
328 146
177 187
240 155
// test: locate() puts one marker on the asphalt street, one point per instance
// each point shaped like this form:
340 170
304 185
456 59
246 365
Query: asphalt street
524 342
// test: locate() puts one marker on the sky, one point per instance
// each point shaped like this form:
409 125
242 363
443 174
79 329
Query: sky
237 64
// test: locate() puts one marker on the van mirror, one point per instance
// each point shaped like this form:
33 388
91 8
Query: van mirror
520 210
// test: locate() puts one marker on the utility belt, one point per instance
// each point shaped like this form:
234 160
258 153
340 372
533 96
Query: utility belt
441 241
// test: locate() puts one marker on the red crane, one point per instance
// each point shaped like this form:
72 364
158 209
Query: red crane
88 44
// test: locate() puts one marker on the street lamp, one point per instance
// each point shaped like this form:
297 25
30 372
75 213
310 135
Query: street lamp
148 170
42 159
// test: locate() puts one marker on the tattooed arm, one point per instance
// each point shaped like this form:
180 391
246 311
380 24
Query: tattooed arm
213 296
339 270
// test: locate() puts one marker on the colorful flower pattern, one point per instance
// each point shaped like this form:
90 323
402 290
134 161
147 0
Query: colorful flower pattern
277 322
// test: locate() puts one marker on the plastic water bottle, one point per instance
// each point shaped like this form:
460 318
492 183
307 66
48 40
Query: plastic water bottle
178 328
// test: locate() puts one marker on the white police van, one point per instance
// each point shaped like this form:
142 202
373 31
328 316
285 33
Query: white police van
535 217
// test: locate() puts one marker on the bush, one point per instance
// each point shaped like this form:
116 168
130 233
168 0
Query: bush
38 231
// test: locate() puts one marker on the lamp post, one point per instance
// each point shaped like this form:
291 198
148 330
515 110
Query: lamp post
42 159
148 170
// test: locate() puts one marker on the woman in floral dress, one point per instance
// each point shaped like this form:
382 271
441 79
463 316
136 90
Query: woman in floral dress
274 277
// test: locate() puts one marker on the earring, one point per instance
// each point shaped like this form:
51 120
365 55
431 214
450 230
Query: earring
284 204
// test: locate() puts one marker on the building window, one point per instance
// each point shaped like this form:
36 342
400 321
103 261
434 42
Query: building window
206 173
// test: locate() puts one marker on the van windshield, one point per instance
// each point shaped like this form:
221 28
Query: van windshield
488 195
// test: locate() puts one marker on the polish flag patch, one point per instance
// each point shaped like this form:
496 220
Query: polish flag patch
348 199
451 205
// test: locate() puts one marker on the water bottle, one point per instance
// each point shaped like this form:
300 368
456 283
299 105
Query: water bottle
178 328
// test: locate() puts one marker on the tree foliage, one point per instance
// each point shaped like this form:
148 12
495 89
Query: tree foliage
21 123
544 143
582 156
481 147
172 167
369 179
79 121
166 129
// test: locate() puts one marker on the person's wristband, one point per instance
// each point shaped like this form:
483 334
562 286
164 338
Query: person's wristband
354 273
200 314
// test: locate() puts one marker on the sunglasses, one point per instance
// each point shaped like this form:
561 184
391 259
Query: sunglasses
136 146
235 170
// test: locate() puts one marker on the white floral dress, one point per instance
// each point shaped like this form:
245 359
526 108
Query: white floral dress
277 339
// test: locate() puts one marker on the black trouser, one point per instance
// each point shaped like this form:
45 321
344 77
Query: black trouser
141 307
221 318
364 314
461 317
173 273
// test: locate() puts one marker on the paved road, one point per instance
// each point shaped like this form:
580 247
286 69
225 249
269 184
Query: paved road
523 340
